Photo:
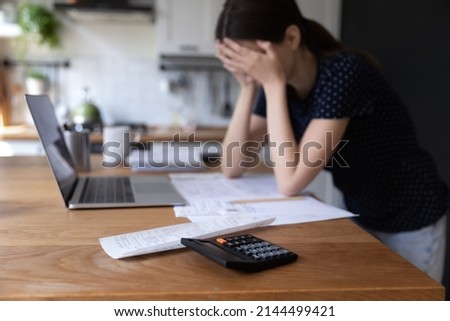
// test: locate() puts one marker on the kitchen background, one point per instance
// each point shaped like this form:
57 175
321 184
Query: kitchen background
118 58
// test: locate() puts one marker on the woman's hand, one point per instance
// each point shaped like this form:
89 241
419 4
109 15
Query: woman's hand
243 79
262 65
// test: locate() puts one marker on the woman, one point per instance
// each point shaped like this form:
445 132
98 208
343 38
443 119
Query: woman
321 105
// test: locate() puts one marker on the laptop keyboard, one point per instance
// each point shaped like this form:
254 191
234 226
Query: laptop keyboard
107 190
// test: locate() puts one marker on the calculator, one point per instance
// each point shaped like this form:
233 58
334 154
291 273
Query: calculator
242 252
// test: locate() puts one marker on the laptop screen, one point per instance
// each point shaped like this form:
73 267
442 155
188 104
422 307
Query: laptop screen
52 138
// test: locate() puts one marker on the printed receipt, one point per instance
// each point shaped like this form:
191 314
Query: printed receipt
168 237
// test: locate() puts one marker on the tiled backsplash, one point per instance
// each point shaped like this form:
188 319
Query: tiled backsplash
135 90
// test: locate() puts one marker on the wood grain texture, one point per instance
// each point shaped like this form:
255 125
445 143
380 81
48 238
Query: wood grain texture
202 134
48 252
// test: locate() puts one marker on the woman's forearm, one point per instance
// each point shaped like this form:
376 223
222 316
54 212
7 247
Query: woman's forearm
283 147
238 133
297 164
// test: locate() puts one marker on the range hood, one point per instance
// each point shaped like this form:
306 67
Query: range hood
186 63
106 6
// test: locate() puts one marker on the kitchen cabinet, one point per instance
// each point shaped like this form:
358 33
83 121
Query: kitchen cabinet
186 27
9 30
8 27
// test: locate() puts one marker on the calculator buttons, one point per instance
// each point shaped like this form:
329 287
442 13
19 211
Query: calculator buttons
252 247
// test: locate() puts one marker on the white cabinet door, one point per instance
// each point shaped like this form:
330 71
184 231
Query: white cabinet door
326 12
186 27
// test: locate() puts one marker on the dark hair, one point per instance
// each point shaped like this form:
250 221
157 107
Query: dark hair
268 19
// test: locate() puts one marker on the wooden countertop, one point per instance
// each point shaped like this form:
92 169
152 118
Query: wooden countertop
18 132
48 252
25 132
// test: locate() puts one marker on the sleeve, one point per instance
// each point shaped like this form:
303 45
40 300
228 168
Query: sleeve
348 88
260 104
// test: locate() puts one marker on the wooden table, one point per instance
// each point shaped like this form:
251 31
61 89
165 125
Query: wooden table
202 134
48 252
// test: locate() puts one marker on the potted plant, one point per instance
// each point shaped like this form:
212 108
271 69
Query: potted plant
39 25
36 82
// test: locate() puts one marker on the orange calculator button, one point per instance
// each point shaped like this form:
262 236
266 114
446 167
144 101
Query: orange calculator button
221 240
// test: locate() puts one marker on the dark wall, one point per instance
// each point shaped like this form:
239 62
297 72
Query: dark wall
412 40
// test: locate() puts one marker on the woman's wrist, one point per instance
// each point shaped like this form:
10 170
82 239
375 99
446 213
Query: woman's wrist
248 86
249 90
274 87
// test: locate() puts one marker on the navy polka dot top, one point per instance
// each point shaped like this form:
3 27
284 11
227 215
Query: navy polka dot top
384 175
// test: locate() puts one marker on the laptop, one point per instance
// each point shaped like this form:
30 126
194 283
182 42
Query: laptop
87 192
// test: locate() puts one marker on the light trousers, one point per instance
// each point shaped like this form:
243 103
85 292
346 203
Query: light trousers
425 248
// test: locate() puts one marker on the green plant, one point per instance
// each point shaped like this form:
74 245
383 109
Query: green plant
39 24
36 74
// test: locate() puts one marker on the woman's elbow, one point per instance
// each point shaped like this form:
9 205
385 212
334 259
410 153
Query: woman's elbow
230 172
287 190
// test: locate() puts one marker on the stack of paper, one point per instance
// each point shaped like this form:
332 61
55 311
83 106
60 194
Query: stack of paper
168 237
218 206
213 195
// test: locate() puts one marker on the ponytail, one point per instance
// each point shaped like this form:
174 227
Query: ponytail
318 39
322 43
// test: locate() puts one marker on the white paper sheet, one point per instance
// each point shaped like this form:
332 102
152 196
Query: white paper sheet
285 211
302 210
205 208
204 187
210 194
168 237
